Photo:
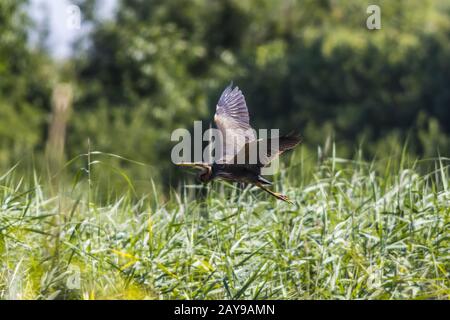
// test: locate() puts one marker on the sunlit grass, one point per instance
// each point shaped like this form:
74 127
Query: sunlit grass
358 230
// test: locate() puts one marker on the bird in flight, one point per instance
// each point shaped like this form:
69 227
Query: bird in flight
238 142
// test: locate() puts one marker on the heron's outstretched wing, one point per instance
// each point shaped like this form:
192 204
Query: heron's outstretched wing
262 151
232 119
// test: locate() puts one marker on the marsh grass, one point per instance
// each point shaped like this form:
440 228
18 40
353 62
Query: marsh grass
358 230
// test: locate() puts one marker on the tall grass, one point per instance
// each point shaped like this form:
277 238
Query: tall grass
358 230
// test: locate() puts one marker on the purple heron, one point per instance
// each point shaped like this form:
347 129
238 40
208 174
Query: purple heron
232 119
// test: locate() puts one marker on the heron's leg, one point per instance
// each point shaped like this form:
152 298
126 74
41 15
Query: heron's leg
275 194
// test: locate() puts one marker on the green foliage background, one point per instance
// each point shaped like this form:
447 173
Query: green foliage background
158 65
370 218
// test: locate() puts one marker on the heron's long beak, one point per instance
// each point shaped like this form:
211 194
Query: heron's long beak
193 165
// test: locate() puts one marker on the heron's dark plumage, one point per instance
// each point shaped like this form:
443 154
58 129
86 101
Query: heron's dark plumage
232 104
239 139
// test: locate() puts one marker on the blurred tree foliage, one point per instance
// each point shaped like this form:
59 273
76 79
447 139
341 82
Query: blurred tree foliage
309 65
25 84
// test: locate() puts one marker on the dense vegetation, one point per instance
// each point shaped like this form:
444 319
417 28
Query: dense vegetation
307 65
117 211
355 232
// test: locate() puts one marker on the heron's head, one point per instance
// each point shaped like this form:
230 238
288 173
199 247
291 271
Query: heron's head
205 174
